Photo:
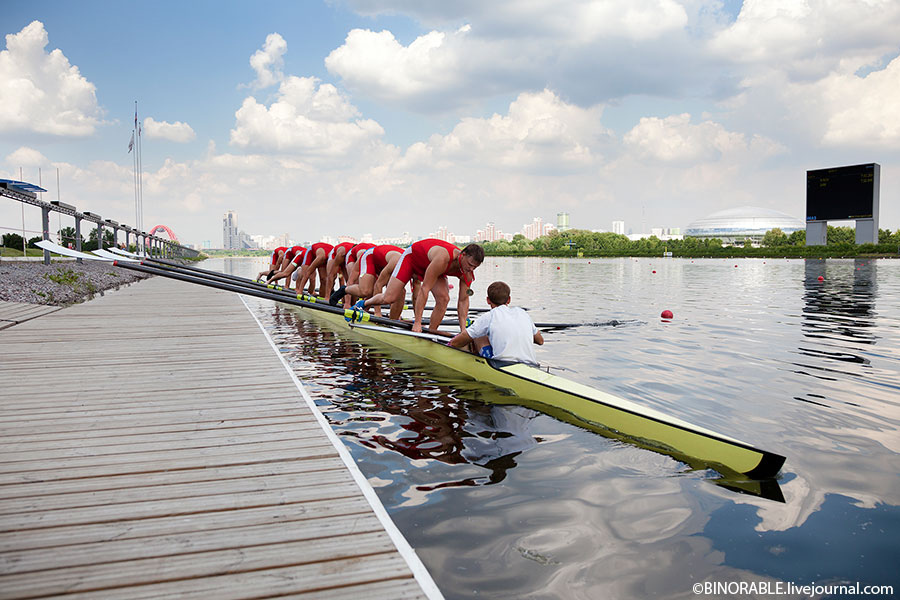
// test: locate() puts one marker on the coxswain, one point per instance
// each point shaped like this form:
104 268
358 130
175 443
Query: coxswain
431 261
315 263
505 332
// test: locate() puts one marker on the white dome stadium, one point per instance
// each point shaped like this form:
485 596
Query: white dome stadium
738 224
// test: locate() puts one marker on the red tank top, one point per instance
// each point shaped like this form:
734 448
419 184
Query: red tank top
275 253
345 245
420 263
380 255
313 251
299 254
354 253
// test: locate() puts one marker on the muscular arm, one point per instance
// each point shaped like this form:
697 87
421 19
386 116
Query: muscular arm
462 305
435 269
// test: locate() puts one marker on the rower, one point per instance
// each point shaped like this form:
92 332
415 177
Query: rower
352 265
431 261
505 333
315 262
375 268
335 265
289 271
275 264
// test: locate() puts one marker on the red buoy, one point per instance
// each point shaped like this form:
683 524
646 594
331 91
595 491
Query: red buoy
666 314
654 271
821 278
557 268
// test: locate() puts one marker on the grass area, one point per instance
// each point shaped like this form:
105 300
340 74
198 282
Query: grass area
17 252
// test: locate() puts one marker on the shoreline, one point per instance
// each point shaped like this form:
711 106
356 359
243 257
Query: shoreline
62 282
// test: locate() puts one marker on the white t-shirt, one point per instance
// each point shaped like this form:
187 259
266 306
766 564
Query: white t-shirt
510 331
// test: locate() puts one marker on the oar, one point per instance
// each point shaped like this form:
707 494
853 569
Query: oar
258 292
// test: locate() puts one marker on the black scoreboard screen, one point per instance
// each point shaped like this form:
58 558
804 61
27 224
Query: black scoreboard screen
841 193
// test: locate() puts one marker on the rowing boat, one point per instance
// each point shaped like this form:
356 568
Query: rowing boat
743 465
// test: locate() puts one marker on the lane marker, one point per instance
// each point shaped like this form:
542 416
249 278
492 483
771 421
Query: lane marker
423 577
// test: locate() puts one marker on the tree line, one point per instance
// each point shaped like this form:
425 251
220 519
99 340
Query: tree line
575 242
66 235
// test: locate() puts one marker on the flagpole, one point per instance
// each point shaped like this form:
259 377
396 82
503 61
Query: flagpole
140 171
137 223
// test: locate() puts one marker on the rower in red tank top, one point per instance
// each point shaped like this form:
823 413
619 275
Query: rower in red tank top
335 266
315 262
432 261
292 260
275 263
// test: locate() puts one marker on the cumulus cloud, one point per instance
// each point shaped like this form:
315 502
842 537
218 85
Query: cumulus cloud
268 62
484 49
174 132
306 118
26 157
792 34
379 66
863 111
41 91
675 139
539 132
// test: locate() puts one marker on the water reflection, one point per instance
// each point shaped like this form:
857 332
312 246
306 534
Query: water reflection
840 306
398 405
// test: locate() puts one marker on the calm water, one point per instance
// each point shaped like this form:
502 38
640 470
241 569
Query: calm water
505 502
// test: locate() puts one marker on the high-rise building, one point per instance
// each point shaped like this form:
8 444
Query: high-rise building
562 221
230 234
619 227
232 237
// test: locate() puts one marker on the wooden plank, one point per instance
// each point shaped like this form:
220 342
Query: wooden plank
84 555
165 452
68 580
316 578
53 538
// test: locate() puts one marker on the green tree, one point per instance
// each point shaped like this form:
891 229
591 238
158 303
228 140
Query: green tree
12 240
775 237
797 238
838 236
67 235
107 238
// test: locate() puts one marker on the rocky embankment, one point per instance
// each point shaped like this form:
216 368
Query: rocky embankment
60 283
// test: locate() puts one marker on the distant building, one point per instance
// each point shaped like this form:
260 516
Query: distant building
562 221
738 224
232 237
619 227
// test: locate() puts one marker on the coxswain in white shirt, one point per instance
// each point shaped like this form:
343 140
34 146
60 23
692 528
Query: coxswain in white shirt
505 332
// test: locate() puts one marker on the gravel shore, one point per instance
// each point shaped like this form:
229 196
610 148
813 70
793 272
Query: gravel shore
60 283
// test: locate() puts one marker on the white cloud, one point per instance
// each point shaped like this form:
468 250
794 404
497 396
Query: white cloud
810 38
864 111
26 157
309 119
174 132
539 133
379 66
675 139
41 92
268 62
490 48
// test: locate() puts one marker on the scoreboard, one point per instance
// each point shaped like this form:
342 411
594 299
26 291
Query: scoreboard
842 193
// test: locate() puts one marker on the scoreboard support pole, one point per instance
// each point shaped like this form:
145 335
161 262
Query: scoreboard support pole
816 233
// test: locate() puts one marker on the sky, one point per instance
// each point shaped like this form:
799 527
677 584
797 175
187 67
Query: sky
348 117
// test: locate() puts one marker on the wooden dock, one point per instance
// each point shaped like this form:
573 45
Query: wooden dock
154 444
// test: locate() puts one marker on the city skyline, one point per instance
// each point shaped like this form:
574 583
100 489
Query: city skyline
489 232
